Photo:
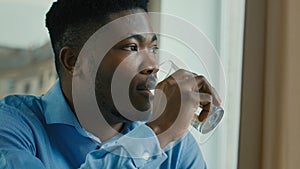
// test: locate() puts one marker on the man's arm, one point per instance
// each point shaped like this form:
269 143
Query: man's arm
176 100
17 148
191 155
137 149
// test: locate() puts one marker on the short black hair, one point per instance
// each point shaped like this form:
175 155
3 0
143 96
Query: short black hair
67 20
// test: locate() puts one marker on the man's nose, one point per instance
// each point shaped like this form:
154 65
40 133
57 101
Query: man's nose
149 65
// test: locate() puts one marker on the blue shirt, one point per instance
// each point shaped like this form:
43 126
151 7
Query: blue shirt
42 132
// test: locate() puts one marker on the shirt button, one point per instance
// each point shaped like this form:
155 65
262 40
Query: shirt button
146 156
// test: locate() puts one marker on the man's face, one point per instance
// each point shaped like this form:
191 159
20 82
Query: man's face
129 68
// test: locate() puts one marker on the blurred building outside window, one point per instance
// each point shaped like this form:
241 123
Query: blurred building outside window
26 71
26 58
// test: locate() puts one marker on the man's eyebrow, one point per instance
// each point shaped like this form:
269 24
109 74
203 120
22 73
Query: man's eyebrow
141 38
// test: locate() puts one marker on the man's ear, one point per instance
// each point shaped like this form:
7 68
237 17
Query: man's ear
67 58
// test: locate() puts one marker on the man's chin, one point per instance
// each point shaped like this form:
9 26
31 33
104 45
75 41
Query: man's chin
143 114
142 101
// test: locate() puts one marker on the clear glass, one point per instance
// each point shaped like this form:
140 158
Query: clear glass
211 122
205 127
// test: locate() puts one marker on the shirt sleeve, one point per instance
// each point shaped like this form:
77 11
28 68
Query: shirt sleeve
191 156
13 159
16 140
137 149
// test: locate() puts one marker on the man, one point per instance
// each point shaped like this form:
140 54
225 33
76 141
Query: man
49 131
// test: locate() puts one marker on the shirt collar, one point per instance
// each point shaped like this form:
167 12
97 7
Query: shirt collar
57 111
56 108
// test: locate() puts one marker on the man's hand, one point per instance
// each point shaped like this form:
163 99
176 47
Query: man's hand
176 100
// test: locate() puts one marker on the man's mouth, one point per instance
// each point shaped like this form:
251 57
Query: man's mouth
148 86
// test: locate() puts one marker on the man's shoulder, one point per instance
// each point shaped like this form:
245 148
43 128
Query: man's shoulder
21 106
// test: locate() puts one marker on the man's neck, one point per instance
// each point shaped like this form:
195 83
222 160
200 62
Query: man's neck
105 133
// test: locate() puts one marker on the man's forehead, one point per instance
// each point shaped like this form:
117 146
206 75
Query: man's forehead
142 36
135 25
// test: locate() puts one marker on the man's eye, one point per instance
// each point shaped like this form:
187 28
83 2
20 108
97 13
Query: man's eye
154 50
132 47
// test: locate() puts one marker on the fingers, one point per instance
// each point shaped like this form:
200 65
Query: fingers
198 83
194 89
206 109
205 104
205 98
178 97
205 87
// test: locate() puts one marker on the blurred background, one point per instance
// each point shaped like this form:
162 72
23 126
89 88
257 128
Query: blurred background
257 42
26 59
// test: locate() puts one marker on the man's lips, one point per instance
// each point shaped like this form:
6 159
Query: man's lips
148 85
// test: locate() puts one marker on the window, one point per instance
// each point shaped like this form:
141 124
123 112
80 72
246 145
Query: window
10 86
27 87
222 22
41 81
